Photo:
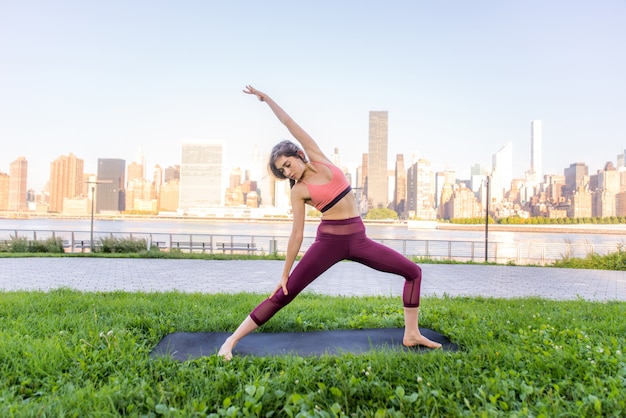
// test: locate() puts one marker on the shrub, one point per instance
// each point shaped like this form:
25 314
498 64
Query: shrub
19 244
611 261
121 245
53 245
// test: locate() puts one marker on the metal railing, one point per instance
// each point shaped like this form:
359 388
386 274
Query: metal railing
519 253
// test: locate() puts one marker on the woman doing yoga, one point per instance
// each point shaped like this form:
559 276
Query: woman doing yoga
340 236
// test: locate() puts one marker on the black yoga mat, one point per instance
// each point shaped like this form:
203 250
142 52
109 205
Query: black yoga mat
188 345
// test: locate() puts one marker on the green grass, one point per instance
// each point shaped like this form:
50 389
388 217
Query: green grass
67 353
612 261
174 255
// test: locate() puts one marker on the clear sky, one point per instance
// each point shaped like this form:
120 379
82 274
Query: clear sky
460 79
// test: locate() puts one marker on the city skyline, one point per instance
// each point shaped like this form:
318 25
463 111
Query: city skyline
199 186
459 80
251 165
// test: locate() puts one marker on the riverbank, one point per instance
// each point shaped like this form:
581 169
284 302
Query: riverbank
613 229
604 229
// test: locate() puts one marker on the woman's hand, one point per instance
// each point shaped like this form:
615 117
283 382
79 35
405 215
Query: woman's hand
281 285
257 93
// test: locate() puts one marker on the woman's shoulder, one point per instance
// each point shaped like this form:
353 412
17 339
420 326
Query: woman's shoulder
300 191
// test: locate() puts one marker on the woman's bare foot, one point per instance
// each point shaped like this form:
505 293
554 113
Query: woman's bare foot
245 328
412 341
226 350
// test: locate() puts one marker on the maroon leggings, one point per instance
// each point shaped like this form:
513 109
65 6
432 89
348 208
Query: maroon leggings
337 241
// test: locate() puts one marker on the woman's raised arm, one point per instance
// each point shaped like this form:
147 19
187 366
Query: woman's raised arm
309 145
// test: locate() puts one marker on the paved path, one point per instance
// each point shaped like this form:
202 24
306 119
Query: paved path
346 278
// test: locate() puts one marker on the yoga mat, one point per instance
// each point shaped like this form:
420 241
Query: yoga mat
189 345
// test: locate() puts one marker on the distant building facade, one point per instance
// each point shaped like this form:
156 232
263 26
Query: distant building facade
576 178
399 201
66 181
462 204
536 158
200 176
502 173
377 182
421 190
581 205
169 196
4 191
110 190
18 177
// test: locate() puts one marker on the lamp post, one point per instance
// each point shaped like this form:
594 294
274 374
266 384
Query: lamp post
487 219
93 198
93 195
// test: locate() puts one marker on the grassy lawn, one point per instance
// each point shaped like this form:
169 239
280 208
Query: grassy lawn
67 353
611 261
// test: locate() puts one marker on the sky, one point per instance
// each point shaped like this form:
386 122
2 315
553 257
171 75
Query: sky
459 79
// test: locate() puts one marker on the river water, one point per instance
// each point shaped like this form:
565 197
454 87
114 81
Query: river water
282 229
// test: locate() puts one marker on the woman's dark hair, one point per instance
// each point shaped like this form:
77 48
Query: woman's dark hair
284 149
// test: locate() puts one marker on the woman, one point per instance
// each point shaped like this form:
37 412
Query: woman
316 181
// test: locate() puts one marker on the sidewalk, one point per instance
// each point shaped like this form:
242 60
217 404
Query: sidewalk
345 278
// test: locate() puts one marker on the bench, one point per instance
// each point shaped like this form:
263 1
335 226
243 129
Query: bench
81 245
186 245
248 247
223 247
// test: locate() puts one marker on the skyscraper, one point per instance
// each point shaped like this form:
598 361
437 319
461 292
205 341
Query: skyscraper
110 192
536 172
377 182
17 185
171 173
336 157
157 179
260 174
621 160
66 180
200 176
360 191
361 178
135 171
139 192
441 179
4 191
169 196
421 190
502 173
576 178
141 160
477 173
399 202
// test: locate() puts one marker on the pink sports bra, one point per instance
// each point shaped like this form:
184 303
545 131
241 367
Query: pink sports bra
325 196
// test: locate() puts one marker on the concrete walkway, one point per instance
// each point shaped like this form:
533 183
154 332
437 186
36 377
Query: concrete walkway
346 278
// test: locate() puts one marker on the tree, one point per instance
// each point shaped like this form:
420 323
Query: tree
381 213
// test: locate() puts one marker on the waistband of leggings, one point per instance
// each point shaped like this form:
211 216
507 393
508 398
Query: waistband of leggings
349 221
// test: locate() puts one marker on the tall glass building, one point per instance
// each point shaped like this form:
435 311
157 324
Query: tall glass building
200 176
66 180
502 172
421 190
110 191
621 160
377 182
536 172
399 195
17 185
